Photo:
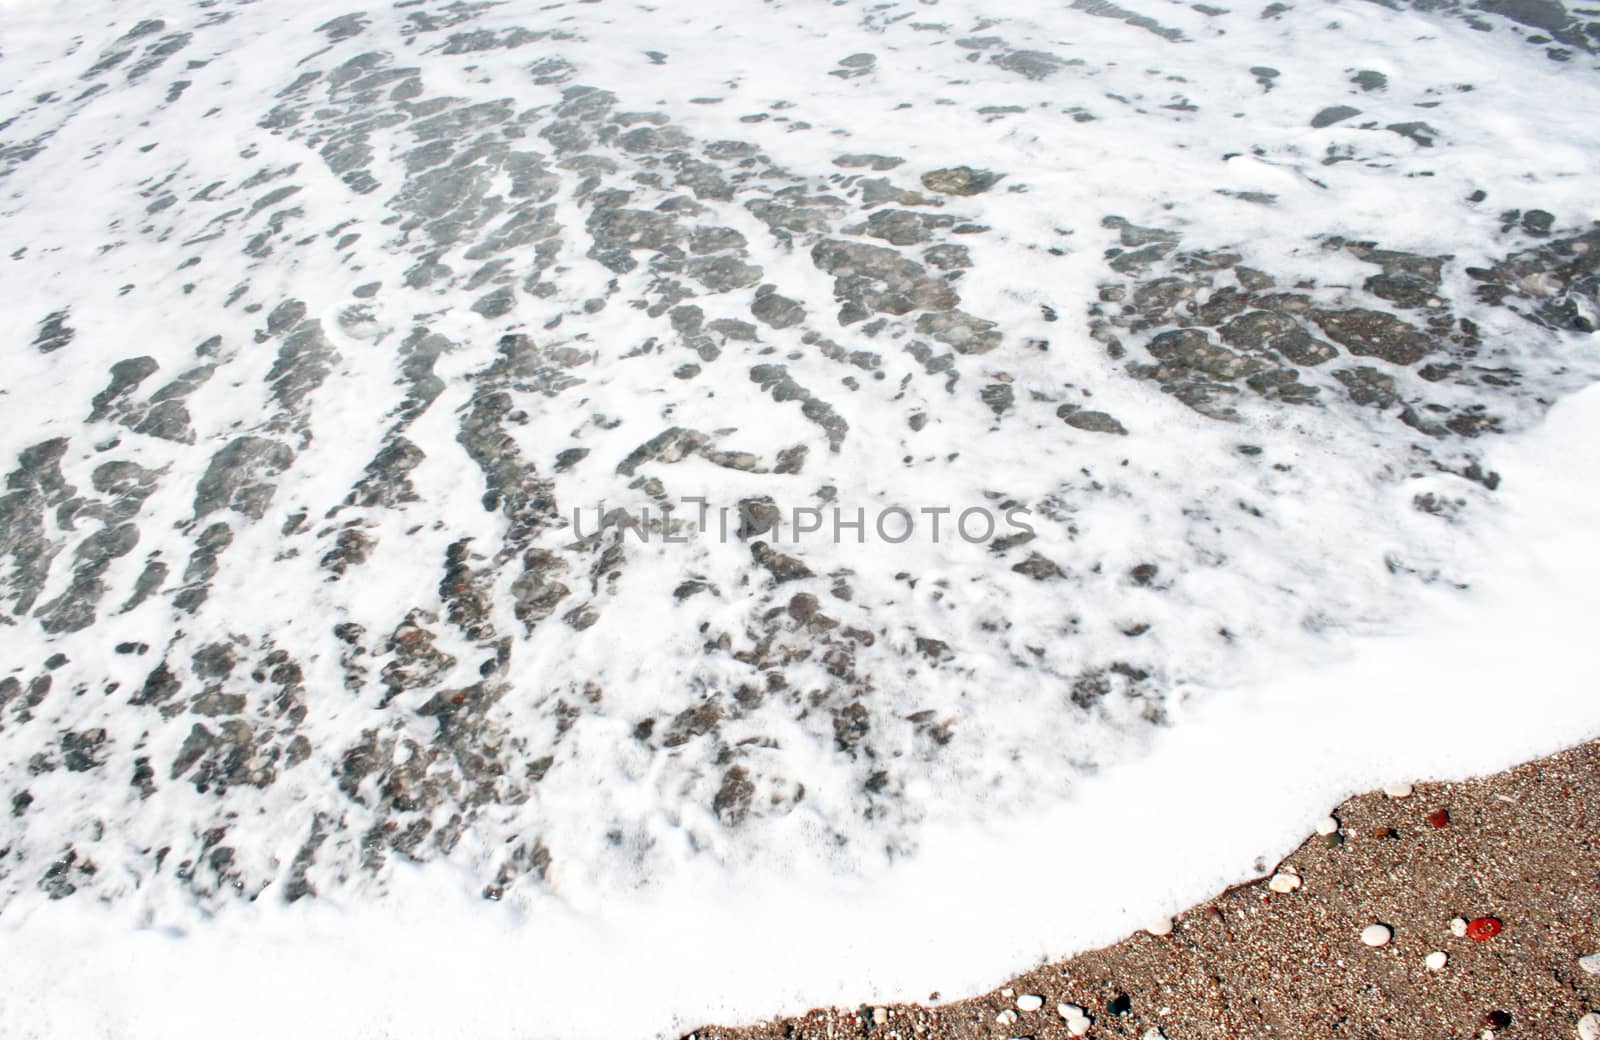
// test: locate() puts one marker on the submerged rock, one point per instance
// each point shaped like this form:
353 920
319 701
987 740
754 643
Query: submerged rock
1333 114
1374 334
960 180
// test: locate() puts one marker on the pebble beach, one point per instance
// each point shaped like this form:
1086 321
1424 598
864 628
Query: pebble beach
1466 909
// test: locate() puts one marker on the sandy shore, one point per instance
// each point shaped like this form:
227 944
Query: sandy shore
1521 847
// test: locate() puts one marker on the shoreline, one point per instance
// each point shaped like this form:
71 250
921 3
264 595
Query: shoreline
1287 958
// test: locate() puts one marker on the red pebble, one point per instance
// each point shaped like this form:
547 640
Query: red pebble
1481 928
1440 818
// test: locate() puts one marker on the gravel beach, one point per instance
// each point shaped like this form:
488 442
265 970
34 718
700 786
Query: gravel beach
1520 849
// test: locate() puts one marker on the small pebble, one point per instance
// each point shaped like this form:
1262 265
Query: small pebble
1590 964
1284 883
1482 929
1078 1020
1030 1002
1589 1027
1006 1017
880 1016
1154 1033
1436 960
1439 818
1377 934
1328 826
1497 1019
1398 790
1458 927
1161 927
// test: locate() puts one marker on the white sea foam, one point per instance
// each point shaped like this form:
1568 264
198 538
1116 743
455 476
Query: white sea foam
1368 643
1486 681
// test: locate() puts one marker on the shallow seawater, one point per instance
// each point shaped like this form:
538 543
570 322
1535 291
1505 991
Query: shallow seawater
729 507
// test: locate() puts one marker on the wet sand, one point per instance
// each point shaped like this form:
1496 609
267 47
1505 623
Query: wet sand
1521 847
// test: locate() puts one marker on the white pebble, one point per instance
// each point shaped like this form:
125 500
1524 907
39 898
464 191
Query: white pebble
880 1016
1377 934
1284 883
1542 284
1154 1033
1398 790
1328 826
1436 960
1590 964
1589 1027
1161 927
1078 1021
1458 927
1006 1017
1030 1002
